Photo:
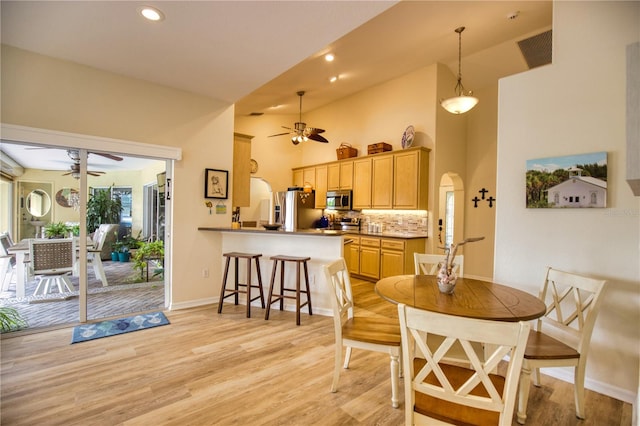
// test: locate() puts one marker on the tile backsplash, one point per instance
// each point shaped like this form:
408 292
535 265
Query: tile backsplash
394 222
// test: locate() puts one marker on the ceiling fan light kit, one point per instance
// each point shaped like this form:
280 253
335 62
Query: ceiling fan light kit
462 102
300 131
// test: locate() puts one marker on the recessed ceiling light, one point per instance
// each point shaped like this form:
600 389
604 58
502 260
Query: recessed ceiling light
329 57
333 79
151 13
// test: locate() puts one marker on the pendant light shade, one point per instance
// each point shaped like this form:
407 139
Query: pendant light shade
462 102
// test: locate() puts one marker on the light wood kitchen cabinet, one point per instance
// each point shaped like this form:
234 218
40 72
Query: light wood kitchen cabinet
321 186
392 256
411 180
305 175
380 257
382 182
298 178
241 195
340 175
370 257
362 183
352 253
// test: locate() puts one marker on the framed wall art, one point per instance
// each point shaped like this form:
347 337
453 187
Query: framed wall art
571 181
216 183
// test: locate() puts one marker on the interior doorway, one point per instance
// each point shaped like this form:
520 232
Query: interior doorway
451 211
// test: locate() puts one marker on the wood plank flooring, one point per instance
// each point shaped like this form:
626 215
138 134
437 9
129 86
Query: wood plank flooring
210 369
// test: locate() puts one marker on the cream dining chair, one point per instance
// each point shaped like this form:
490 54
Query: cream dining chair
436 392
427 264
561 337
373 334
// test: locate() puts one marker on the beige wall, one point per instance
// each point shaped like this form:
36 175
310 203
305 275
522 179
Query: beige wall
43 92
576 105
381 114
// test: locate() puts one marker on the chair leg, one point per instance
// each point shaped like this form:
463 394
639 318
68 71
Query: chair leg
248 288
306 281
523 393
67 283
578 384
259 281
394 365
347 357
272 284
98 270
337 366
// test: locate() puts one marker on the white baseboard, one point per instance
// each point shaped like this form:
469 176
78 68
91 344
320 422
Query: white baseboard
566 375
214 300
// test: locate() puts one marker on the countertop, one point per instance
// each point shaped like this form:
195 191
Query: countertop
318 232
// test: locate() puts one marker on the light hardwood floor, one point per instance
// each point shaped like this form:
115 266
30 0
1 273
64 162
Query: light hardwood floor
210 369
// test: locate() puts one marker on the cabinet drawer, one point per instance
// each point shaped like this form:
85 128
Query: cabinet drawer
370 242
355 239
392 244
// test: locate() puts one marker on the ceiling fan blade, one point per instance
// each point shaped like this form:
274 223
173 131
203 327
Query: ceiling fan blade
280 134
95 173
317 138
109 156
313 130
66 174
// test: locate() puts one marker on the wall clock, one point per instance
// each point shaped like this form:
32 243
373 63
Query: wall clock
254 166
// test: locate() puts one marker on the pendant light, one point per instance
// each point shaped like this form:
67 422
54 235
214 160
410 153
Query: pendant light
462 102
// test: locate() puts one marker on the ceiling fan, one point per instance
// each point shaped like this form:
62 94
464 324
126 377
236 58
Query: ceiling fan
300 131
75 171
74 154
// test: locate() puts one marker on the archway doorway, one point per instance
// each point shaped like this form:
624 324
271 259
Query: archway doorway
450 223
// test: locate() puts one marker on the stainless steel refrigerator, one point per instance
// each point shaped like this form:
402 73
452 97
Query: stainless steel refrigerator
295 210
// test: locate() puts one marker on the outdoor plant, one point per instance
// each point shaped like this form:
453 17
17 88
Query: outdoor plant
56 230
11 320
146 251
102 208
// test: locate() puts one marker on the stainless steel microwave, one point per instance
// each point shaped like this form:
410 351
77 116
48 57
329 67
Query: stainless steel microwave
339 200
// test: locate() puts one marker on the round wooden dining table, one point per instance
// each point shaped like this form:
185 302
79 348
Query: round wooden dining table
471 298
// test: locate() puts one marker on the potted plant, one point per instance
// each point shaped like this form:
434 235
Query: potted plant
153 250
102 208
56 230
11 320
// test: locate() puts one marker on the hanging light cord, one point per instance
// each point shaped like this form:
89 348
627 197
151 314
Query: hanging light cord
459 87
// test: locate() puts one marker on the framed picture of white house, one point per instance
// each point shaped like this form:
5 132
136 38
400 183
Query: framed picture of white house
571 181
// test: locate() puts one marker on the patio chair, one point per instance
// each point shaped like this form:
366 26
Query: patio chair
51 262
7 262
440 393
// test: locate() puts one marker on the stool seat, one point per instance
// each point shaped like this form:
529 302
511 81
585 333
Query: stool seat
272 298
235 291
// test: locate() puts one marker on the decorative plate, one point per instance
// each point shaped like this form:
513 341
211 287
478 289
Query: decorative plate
254 166
407 137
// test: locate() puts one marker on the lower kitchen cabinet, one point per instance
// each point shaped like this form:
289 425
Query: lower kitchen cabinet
379 257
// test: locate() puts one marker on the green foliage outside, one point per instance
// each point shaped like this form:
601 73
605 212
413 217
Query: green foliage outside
11 320
101 208
145 251
56 230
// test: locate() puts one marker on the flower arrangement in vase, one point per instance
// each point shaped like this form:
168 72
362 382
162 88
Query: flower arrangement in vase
447 276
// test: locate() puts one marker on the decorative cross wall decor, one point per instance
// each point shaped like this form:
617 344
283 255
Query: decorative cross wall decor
491 200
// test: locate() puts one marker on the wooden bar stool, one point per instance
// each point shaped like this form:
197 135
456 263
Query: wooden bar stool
235 291
281 296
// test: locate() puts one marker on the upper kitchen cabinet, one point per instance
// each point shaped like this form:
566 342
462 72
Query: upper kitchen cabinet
340 175
241 170
362 173
382 182
411 179
321 187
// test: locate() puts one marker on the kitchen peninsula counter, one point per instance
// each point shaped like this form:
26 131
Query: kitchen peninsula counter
322 232
322 246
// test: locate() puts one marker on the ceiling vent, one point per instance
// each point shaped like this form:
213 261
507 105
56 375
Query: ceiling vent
537 49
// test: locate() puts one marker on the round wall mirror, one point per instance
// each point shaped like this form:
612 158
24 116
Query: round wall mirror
38 203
